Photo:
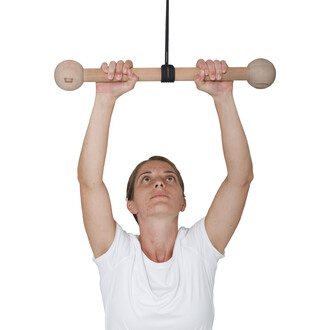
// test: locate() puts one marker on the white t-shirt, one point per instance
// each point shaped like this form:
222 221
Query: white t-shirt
140 294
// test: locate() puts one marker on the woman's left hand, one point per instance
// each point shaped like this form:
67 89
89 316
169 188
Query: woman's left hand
215 70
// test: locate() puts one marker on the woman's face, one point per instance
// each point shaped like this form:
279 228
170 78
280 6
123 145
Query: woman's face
157 191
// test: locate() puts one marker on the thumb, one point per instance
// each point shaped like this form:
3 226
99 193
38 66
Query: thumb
131 75
132 79
199 78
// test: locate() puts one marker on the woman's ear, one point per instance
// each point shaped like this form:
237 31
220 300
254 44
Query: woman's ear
131 207
184 205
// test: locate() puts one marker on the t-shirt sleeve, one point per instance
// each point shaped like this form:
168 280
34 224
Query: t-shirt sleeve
198 238
118 251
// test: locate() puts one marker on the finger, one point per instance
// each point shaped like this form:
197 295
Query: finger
202 65
128 64
104 67
224 66
119 70
218 69
211 69
111 70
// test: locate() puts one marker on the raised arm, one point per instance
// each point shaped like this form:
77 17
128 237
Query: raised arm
228 204
96 206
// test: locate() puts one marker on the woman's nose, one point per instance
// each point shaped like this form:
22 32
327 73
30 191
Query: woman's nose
159 183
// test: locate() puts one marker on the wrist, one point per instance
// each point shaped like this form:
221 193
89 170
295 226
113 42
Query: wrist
224 97
105 99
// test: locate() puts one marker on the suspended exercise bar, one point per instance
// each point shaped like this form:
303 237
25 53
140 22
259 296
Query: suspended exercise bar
70 75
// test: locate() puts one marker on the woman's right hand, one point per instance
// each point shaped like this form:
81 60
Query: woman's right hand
116 70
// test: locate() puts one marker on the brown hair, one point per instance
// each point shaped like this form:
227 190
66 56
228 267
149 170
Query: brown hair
131 181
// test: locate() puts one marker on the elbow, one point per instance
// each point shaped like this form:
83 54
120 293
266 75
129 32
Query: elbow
89 180
83 177
241 180
79 178
80 170
250 177
79 174
241 173
87 174
247 181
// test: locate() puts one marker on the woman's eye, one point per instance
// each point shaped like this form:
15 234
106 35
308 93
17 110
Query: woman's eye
170 178
146 179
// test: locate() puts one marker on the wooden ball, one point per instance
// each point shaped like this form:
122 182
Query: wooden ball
261 73
69 75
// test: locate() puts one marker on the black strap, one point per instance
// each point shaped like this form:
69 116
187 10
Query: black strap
168 70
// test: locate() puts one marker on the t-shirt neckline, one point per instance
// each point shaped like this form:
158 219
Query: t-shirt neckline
158 265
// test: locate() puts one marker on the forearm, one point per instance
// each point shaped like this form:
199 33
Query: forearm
94 149
235 146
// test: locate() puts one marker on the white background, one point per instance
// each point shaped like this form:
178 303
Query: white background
276 271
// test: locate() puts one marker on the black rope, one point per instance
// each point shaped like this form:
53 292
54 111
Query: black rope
168 70
166 31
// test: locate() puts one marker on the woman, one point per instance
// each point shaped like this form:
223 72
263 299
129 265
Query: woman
164 278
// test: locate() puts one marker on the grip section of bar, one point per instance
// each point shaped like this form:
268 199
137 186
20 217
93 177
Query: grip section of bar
154 74
188 74
144 74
